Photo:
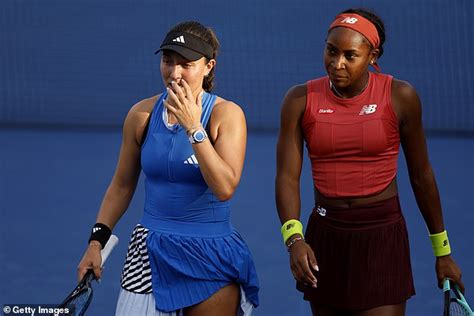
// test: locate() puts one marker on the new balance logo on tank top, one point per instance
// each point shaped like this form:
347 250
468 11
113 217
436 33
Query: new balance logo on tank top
353 144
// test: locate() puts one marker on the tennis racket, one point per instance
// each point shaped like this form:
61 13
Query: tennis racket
454 302
81 296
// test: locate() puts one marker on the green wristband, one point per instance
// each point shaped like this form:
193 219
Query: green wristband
291 227
440 244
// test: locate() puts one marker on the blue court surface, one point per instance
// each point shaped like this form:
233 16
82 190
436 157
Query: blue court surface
52 182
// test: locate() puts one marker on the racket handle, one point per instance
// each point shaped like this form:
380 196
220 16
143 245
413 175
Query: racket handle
446 285
109 246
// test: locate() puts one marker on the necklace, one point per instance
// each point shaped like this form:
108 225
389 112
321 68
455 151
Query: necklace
337 93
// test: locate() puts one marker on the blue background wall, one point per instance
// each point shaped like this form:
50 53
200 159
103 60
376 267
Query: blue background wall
52 182
86 62
78 66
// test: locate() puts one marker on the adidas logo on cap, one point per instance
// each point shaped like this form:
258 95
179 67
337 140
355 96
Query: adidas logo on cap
179 39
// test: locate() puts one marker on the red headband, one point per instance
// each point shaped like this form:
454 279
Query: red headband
359 24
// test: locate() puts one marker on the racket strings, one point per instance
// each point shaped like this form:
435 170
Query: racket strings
457 309
81 297
82 301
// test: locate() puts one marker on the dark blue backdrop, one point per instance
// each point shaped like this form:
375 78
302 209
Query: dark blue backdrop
82 64
86 62
52 182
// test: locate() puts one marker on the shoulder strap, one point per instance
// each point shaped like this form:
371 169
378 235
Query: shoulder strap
152 117
208 101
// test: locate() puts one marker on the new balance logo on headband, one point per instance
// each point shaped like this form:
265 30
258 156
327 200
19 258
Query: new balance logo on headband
179 39
349 20
192 161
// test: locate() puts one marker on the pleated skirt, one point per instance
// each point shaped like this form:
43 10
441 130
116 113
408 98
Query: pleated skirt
130 303
363 256
182 271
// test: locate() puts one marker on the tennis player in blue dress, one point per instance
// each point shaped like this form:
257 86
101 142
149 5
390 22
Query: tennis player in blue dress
184 257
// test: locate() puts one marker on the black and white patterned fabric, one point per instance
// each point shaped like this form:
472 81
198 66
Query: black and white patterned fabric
136 274
136 280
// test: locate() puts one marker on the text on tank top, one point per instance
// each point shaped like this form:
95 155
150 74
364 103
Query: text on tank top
353 143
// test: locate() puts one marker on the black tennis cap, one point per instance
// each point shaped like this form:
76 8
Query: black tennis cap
188 45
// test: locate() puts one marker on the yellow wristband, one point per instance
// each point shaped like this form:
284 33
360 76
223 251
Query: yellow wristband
291 227
440 244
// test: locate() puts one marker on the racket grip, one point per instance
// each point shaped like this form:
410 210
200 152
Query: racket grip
109 246
446 285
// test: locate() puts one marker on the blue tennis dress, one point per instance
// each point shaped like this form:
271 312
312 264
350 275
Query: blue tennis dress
185 248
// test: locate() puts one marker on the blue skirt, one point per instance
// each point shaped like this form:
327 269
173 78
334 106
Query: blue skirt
185 263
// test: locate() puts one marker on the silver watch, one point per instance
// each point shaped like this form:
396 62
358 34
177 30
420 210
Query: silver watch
198 136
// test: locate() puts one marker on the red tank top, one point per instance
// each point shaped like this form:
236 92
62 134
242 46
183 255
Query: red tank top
352 143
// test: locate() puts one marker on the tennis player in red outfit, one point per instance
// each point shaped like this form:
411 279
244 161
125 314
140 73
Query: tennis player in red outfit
354 258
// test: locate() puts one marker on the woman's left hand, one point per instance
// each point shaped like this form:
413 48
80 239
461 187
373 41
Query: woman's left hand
446 267
183 105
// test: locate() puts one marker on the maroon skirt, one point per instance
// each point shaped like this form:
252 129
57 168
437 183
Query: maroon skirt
363 256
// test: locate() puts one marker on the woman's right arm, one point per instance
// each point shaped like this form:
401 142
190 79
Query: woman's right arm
123 184
287 184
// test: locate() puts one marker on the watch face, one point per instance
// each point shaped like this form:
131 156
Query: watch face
199 136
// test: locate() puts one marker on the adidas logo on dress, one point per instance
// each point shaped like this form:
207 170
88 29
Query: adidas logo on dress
192 161
179 39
